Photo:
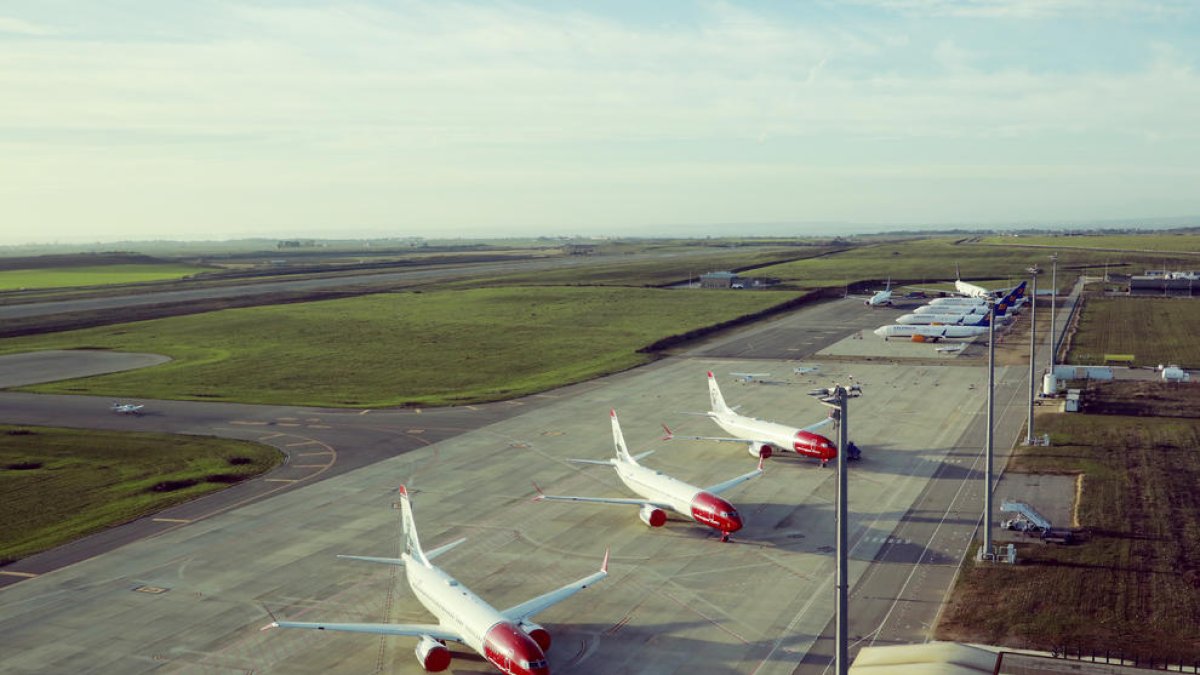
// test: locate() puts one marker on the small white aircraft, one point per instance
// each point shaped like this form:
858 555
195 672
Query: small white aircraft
972 291
804 370
747 378
951 349
661 493
880 298
127 408
508 639
761 437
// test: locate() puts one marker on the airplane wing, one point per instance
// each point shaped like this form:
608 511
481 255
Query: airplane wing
411 629
530 607
721 487
672 437
598 500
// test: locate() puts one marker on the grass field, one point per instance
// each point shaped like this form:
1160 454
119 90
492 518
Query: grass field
675 264
59 484
922 262
433 348
61 277
1167 243
1134 583
1154 330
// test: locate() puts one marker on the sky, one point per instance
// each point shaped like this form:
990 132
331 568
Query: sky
207 119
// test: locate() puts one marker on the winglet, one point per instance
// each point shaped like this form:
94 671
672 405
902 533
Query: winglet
540 495
403 490
274 621
604 565
612 412
710 375
667 433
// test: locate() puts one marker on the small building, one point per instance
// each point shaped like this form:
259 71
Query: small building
721 280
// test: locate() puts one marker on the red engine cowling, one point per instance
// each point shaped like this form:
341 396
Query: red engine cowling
760 450
654 517
540 635
433 655
917 337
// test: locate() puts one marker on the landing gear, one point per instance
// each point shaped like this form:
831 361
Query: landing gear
724 537
824 463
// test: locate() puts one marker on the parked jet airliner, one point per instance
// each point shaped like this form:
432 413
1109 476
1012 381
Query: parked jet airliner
763 438
507 639
661 493
930 333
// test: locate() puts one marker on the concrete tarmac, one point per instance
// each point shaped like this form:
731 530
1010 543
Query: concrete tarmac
677 600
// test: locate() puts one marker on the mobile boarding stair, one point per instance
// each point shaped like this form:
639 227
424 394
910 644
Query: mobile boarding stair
1029 521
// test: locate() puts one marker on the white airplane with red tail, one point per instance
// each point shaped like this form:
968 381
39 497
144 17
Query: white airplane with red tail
507 639
661 493
763 438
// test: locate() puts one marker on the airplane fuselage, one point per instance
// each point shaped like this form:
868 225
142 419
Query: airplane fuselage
685 499
481 626
782 436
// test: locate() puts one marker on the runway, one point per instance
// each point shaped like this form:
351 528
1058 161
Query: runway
188 598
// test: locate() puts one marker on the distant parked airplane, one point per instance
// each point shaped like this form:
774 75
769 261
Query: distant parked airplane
930 333
972 291
661 493
879 299
943 320
746 378
127 408
508 639
761 437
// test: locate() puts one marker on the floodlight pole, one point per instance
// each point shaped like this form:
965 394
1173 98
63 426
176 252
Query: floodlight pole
1053 304
836 398
1032 354
991 391
842 666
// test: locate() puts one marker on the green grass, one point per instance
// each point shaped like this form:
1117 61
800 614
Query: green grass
59 484
1154 330
676 264
433 348
61 277
1168 243
922 262
1134 583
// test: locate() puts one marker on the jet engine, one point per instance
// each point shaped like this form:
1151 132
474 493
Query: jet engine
540 635
917 337
433 655
760 450
652 516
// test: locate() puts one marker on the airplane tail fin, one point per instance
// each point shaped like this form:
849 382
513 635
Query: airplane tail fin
714 395
412 544
619 440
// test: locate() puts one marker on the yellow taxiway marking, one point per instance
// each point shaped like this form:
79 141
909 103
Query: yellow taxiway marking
310 466
27 575
289 424
279 480
251 423
414 431
171 520
365 411
270 436
319 426
314 454
300 443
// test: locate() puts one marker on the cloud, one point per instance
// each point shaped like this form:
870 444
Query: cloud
16 26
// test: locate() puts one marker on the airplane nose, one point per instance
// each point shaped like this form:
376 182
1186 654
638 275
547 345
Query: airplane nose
733 524
879 331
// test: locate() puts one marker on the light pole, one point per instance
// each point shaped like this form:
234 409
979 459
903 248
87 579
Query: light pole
836 398
1053 304
1034 271
991 391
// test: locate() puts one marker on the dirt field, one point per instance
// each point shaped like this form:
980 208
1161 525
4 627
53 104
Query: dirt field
1133 582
